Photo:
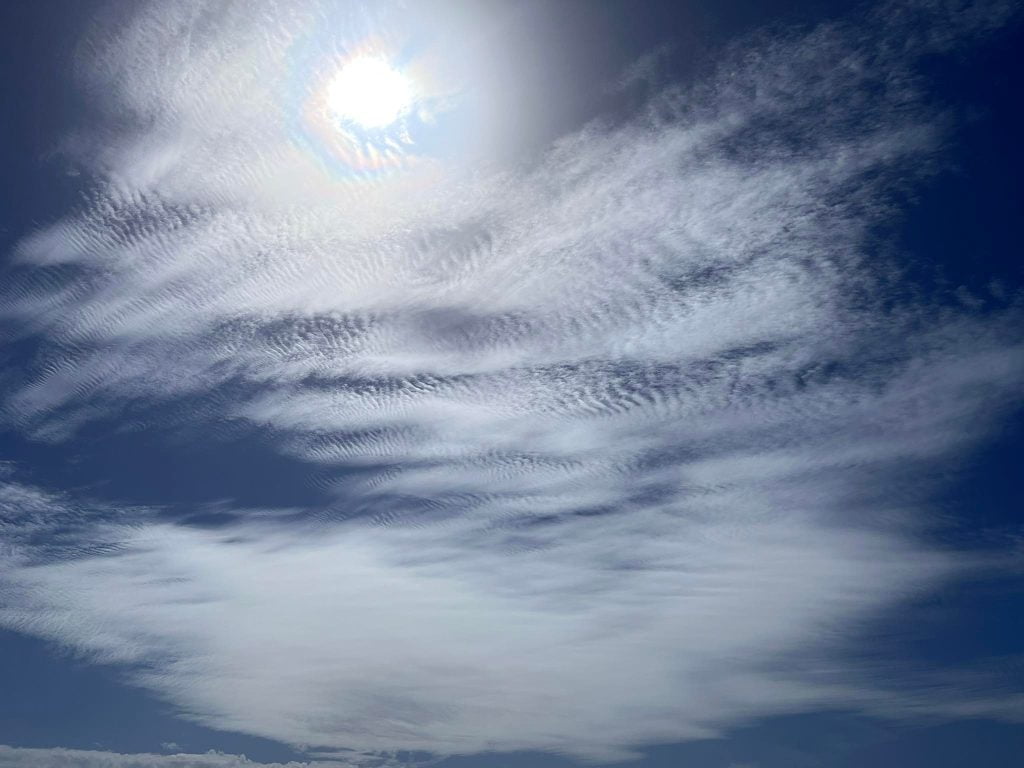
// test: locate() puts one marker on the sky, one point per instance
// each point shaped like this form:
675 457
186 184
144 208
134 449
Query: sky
485 384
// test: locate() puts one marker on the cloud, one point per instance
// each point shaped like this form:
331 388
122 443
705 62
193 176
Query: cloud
461 639
15 757
622 446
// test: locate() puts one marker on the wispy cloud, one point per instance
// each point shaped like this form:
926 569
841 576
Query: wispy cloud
13 757
644 430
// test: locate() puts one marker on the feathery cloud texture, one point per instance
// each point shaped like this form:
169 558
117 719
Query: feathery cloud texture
621 446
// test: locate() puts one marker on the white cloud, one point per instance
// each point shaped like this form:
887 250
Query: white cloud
465 637
647 426
16 757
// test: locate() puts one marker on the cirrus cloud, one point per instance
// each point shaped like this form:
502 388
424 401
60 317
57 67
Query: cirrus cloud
622 446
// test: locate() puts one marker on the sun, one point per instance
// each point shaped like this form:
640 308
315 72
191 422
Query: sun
369 92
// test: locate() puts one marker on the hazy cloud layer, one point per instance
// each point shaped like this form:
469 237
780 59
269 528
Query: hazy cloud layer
626 443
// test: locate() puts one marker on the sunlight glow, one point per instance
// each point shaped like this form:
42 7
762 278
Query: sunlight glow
369 92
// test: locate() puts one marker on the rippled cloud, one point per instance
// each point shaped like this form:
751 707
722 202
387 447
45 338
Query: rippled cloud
623 445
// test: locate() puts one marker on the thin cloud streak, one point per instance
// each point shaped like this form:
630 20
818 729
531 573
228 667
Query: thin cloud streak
14 757
644 431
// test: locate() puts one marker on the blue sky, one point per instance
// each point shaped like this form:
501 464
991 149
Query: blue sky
632 384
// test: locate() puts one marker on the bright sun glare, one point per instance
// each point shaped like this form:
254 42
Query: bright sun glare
369 92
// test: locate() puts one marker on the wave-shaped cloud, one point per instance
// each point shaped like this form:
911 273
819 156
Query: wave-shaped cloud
643 430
